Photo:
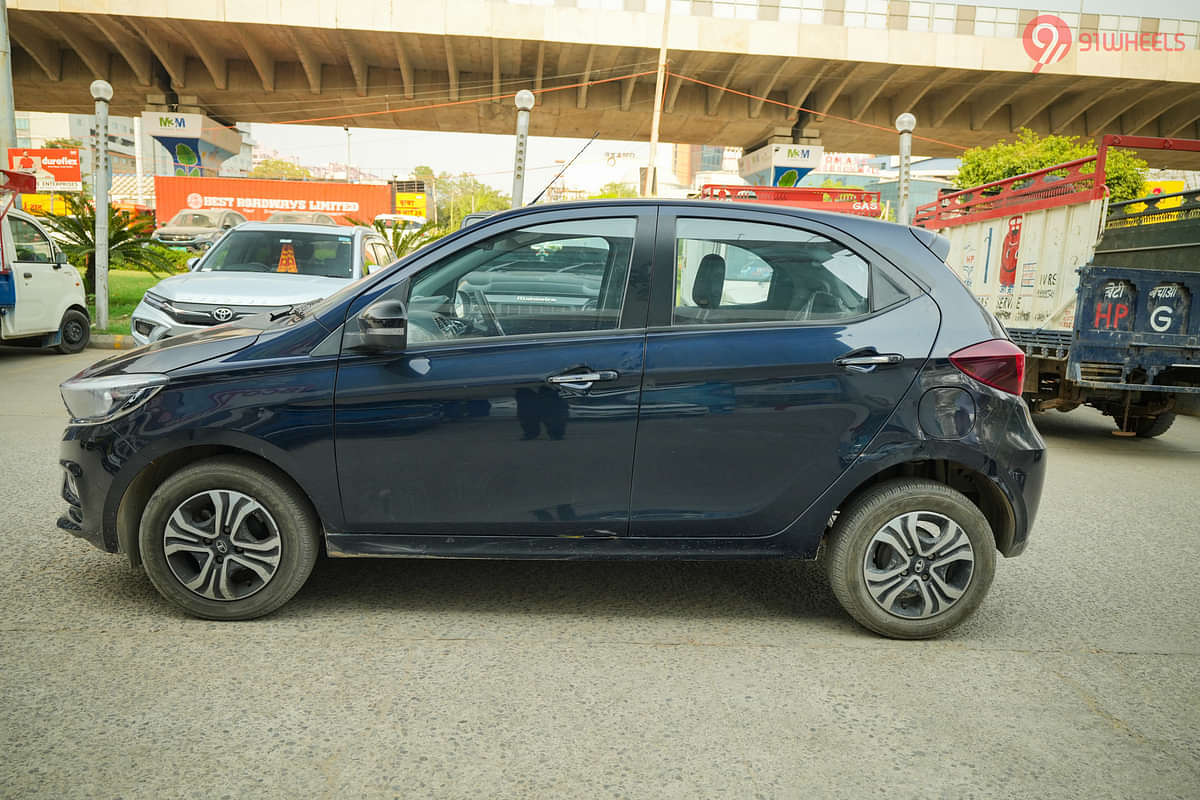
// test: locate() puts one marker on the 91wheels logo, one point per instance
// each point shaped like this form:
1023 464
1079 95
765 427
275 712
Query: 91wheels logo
1047 40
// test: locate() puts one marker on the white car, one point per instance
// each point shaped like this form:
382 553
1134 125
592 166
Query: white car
42 303
255 268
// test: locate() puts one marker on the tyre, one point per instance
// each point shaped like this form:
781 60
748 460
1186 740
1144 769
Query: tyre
73 332
911 558
1149 427
228 538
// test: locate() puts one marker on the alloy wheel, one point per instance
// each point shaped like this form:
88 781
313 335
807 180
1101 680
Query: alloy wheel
918 565
222 545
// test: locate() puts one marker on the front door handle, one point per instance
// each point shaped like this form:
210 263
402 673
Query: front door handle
582 380
867 363
28 276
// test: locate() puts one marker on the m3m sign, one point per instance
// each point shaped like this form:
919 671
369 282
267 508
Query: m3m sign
172 123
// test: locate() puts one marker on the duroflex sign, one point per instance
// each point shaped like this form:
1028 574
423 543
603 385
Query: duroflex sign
258 199
56 169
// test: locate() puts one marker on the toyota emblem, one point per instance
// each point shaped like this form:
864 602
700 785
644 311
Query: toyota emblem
222 314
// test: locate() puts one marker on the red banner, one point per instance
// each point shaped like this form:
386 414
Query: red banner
56 169
259 199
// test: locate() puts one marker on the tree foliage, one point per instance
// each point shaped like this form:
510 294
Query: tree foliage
62 142
129 243
614 190
1125 172
279 169
459 195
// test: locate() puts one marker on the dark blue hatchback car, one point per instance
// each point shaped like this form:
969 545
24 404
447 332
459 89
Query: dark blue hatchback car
615 380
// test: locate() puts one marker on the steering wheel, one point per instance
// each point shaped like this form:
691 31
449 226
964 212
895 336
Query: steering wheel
479 301
258 267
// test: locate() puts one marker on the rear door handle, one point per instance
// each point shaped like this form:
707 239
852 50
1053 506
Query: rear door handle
867 363
582 380
28 276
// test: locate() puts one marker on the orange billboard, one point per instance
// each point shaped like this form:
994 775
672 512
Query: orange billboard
257 199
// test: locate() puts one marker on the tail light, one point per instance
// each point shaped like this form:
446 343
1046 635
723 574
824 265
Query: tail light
997 362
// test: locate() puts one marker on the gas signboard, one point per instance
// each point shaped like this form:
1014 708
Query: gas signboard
56 169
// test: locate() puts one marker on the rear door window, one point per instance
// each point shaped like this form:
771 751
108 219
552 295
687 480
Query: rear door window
730 271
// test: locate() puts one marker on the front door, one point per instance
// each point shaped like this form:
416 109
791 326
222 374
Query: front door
39 282
749 411
513 408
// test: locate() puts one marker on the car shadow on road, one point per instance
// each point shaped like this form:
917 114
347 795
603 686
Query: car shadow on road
598 589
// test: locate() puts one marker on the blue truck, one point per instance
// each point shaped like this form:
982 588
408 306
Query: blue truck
1103 297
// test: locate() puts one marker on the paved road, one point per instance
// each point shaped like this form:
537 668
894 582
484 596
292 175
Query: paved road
1079 677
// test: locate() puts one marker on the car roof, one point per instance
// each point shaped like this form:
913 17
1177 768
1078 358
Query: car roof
833 219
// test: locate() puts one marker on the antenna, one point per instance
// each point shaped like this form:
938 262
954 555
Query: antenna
564 169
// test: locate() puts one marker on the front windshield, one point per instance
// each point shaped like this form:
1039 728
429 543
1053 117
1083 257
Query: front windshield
326 254
193 219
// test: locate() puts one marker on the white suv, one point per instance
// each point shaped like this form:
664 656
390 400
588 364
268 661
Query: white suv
258 267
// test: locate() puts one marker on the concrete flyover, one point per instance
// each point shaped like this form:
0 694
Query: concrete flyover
320 60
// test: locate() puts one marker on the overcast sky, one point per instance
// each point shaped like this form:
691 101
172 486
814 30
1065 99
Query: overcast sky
390 152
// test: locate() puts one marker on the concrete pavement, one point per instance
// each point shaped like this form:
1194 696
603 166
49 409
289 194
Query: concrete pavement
1079 676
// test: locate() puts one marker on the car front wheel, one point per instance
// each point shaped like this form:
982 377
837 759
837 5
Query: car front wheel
911 558
228 538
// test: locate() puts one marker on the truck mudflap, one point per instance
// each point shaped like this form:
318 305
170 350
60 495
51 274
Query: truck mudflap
1137 330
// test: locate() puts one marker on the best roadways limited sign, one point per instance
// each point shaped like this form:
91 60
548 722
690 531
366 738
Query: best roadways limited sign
258 199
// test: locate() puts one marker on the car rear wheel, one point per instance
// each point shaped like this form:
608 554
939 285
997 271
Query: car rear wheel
911 558
73 332
228 538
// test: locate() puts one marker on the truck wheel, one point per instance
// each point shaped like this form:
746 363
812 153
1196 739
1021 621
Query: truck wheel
228 538
73 332
1149 427
911 558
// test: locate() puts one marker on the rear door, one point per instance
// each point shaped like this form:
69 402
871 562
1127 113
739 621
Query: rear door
513 408
750 408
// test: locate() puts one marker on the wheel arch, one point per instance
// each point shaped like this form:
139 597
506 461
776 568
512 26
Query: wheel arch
137 493
985 493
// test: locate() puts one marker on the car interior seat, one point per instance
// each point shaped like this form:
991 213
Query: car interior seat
709 284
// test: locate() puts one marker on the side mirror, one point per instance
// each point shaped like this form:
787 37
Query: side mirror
227 226
192 262
384 325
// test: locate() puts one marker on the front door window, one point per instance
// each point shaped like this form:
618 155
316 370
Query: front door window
555 278
32 247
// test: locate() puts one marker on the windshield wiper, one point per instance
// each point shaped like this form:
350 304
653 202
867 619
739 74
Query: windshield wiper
296 310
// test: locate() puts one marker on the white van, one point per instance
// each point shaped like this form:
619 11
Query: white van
42 303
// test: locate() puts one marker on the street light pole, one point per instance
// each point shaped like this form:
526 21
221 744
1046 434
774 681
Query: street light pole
346 128
8 114
102 91
650 185
905 124
524 101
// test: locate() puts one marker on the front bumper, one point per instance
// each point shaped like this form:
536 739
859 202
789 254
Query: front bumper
194 245
149 324
85 487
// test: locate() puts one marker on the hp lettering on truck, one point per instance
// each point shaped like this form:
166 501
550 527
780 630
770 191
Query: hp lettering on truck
1104 298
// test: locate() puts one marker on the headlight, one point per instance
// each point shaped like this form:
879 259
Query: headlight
153 300
93 400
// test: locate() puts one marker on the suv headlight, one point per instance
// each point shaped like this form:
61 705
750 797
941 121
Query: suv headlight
93 400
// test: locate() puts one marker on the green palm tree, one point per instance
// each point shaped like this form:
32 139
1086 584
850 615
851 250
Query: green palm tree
405 240
128 235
